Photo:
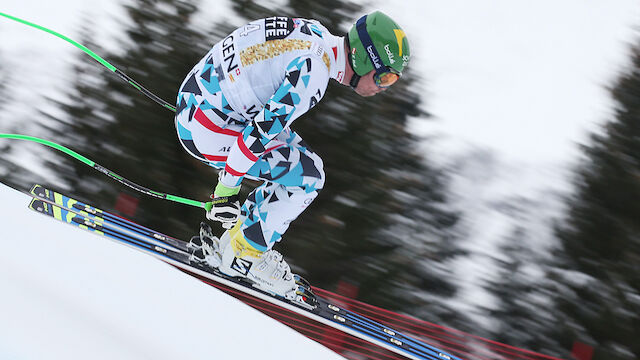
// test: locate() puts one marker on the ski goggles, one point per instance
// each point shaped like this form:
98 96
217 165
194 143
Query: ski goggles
385 76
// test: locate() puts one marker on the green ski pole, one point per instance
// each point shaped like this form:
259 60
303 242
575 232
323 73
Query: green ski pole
106 171
102 61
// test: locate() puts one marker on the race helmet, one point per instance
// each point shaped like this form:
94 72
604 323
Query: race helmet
378 43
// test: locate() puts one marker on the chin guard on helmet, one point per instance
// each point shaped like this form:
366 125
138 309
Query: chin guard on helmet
355 78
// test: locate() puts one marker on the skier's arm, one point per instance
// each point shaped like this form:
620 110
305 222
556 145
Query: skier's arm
304 85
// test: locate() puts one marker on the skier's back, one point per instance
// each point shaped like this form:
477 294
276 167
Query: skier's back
235 109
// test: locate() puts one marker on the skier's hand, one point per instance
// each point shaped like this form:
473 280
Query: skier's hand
225 205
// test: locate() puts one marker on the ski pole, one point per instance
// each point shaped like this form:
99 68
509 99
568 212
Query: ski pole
102 61
106 171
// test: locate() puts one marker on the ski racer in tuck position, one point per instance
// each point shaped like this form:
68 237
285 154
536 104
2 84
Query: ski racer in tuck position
235 109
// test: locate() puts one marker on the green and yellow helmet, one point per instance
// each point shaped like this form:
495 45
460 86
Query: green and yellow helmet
378 43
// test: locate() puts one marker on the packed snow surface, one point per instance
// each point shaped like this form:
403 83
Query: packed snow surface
69 294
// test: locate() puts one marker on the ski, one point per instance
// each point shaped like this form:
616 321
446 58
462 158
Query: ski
325 312
174 257
91 212
94 225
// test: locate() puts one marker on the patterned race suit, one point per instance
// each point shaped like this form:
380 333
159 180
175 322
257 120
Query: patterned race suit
236 106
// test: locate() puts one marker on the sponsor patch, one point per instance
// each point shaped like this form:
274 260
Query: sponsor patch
229 54
270 49
277 27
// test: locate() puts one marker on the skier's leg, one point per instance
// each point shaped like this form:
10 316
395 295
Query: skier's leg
205 123
293 175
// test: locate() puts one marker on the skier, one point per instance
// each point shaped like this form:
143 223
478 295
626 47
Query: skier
234 112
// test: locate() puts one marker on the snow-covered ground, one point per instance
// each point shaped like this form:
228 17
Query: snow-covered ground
69 294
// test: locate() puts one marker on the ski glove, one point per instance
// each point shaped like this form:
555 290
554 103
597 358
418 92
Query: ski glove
225 205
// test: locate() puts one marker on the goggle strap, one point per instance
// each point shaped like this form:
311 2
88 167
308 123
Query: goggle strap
374 56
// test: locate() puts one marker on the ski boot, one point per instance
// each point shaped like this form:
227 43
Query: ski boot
233 256
267 271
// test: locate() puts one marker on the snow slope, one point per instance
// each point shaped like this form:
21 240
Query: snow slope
68 294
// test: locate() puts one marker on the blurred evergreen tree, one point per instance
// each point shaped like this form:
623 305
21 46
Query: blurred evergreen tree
4 79
12 173
598 273
114 125
522 293
6 166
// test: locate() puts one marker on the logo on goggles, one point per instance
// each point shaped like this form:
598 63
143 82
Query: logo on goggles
373 57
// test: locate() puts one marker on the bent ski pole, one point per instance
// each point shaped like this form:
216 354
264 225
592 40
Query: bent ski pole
102 61
106 171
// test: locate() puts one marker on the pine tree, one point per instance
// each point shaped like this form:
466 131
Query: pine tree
113 124
522 294
12 172
598 276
